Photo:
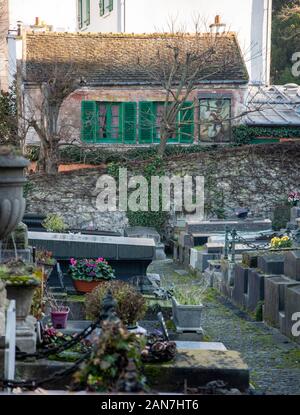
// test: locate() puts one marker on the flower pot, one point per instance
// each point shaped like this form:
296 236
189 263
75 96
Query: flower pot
59 318
85 286
23 294
187 317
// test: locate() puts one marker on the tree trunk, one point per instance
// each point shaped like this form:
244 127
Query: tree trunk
48 159
165 134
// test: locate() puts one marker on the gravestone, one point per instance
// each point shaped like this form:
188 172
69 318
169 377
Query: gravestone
199 259
129 257
240 287
145 232
271 263
292 308
292 264
256 289
274 305
295 214
198 367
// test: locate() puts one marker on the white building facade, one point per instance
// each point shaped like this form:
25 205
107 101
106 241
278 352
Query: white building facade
38 15
250 19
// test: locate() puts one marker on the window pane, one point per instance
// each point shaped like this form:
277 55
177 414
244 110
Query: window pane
115 113
103 127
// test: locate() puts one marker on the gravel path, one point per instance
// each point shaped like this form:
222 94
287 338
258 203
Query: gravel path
273 359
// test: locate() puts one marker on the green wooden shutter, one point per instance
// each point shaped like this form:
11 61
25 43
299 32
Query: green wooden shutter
111 5
186 119
146 122
128 126
101 7
89 124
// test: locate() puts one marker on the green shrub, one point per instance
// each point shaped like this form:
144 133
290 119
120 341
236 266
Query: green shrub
54 223
244 134
131 305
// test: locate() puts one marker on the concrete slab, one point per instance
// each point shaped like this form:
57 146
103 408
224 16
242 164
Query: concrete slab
216 226
190 345
197 368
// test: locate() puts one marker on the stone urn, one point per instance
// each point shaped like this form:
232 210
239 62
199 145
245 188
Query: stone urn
23 294
12 202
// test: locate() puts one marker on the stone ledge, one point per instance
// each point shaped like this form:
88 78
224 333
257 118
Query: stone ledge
197 368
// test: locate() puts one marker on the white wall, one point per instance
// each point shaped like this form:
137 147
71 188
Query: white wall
110 22
246 17
59 13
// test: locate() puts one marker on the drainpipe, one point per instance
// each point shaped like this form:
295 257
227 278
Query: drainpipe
122 17
268 41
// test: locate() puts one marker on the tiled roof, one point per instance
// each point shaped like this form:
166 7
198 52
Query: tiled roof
106 59
274 105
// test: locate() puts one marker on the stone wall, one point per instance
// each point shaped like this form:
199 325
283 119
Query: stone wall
259 176
73 196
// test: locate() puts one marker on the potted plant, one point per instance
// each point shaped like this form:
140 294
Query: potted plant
54 223
20 283
131 305
87 274
187 308
59 313
280 243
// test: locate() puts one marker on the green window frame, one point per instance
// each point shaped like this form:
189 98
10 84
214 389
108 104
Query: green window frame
80 16
105 6
87 19
101 7
149 123
98 122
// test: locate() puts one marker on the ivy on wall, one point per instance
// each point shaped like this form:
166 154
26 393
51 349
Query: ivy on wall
244 134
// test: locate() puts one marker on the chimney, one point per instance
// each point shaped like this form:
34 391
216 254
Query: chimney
19 28
217 25
37 21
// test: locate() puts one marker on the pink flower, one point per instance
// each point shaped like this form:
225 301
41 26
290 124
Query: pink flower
100 260
73 261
